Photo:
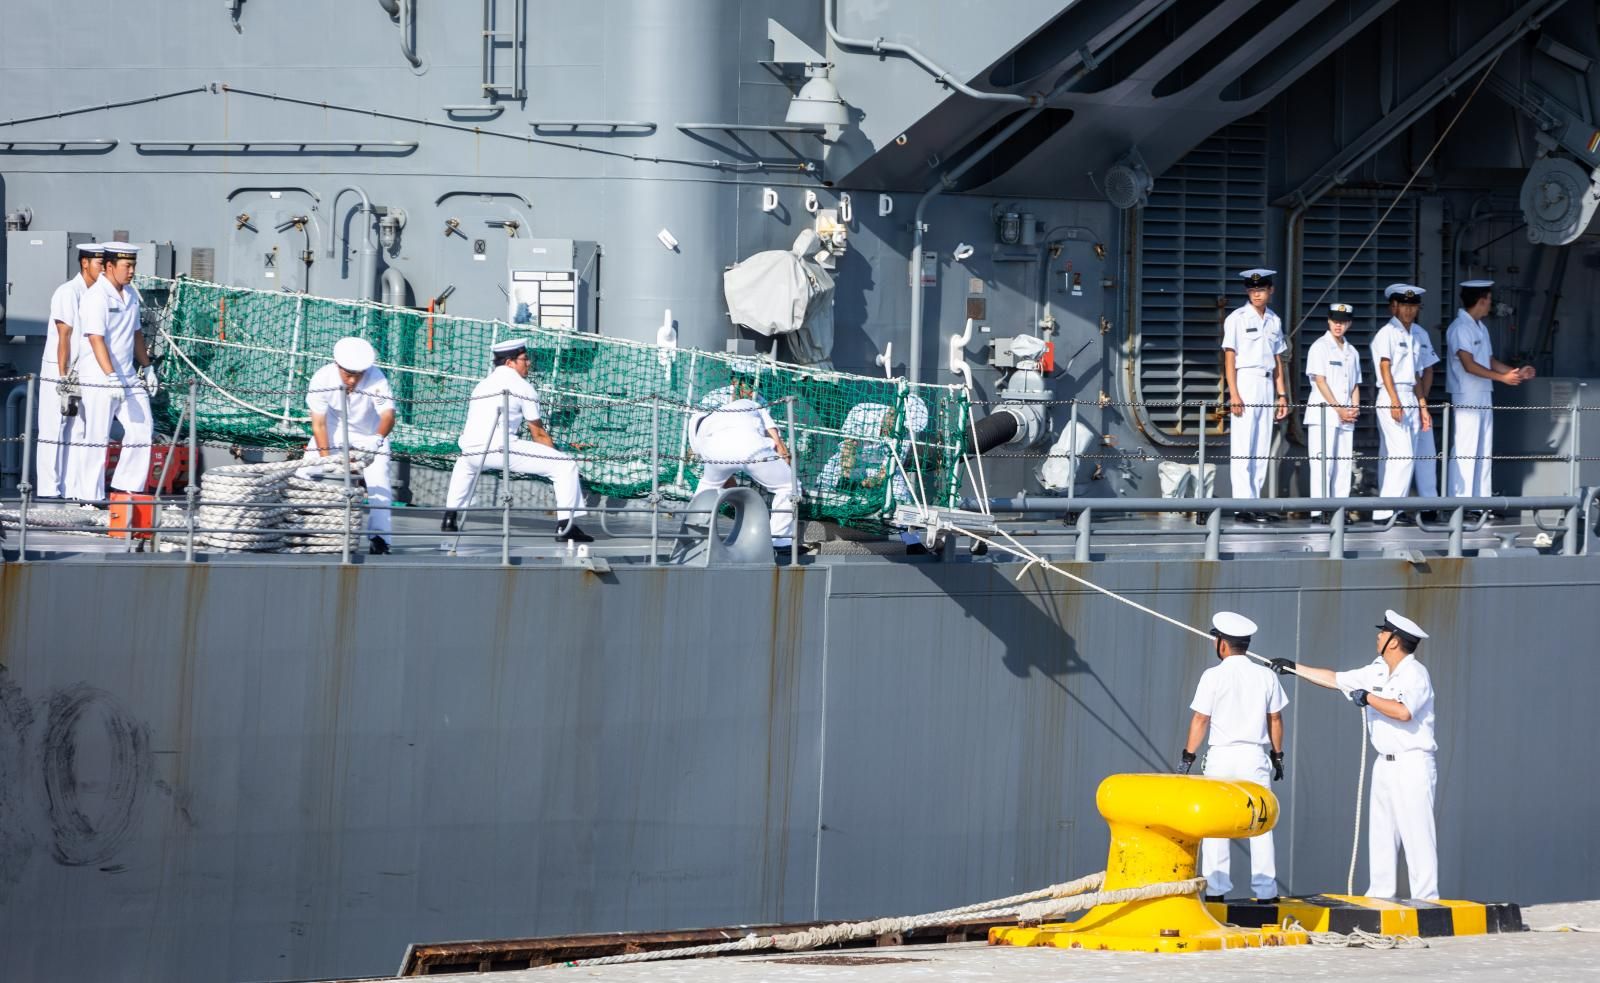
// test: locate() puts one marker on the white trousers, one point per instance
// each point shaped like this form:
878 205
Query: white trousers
1250 435
1401 817
57 433
1249 762
1405 444
380 489
1472 433
1329 449
727 457
128 405
527 457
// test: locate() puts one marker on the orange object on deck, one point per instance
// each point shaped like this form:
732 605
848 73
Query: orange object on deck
222 319
132 515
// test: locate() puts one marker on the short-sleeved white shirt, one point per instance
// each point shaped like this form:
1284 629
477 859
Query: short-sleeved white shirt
64 308
1256 340
1399 346
1409 684
484 428
1422 346
114 315
1237 694
370 399
1472 337
1340 366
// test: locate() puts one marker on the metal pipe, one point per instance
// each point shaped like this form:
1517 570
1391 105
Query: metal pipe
1572 445
408 32
655 478
192 491
390 7
24 486
794 476
879 46
366 268
948 179
1080 550
1457 523
394 287
17 395
1200 464
505 479
1444 451
1058 504
1336 536
1214 535
1072 454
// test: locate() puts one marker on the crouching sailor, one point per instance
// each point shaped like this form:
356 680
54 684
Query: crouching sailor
371 404
483 443
740 435
1241 703
117 377
1397 696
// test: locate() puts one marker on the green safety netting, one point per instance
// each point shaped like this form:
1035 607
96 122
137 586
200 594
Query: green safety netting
862 444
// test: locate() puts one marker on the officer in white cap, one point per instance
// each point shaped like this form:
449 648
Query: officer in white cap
354 369
1241 703
1403 358
60 400
483 443
115 372
1397 695
1471 370
1334 367
739 435
1258 393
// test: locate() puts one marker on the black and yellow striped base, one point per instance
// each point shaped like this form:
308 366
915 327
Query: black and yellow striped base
1345 913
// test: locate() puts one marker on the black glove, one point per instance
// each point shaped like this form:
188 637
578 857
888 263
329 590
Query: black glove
1358 697
1283 667
1277 765
1188 762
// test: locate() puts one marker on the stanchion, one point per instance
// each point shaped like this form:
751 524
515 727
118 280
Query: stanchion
24 486
655 478
192 490
794 476
1072 453
349 492
505 479
1200 463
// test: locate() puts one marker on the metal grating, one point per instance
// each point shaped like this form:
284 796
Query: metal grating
1206 221
1332 230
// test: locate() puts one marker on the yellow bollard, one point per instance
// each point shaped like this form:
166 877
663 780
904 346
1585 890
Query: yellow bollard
1157 822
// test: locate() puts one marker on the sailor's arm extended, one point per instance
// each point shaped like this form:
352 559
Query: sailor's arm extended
1197 732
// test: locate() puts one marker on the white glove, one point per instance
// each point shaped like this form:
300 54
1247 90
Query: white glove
147 378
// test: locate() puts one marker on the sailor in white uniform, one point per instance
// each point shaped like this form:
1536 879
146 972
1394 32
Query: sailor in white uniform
1403 359
1241 703
483 443
1334 367
1397 695
117 377
60 419
371 404
1471 370
739 435
1252 361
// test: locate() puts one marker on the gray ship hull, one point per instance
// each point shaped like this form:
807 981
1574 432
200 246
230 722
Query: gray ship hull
272 771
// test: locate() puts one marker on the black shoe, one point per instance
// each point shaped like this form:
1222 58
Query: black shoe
1268 517
917 549
1431 517
572 534
450 524
1244 517
1404 519
1271 900
377 546
1214 899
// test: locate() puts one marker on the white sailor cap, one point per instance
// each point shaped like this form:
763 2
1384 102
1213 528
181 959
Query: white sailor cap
1234 627
1477 284
1405 293
354 354
510 346
119 250
1341 312
90 250
1401 625
1257 277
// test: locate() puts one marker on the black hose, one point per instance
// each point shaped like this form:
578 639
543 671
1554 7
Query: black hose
993 431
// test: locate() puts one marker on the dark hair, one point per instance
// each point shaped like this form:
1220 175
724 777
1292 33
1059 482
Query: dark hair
1407 644
1471 295
504 358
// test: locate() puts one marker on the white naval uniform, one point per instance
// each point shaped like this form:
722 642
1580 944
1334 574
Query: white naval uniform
735 437
1237 694
1403 779
370 399
57 432
1256 341
483 444
1328 439
1472 416
1405 443
1426 473
114 316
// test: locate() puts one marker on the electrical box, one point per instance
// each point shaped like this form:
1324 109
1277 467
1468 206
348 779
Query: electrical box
155 259
553 283
36 264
